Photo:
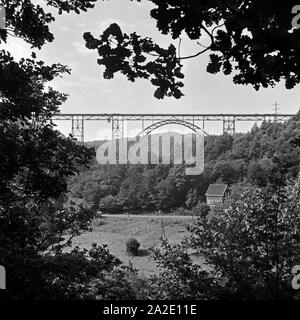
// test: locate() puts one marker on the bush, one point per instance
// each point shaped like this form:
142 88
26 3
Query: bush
202 210
132 246
182 212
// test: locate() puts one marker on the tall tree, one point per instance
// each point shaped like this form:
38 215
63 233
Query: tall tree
36 162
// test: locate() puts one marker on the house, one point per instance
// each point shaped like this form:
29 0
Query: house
216 194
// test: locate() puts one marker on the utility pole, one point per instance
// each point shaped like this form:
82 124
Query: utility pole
276 104
275 118
163 232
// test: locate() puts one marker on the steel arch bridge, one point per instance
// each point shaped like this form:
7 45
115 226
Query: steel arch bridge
160 124
195 122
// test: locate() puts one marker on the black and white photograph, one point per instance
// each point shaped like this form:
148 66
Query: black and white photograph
149 153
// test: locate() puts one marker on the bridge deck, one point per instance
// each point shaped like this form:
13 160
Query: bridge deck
117 120
157 117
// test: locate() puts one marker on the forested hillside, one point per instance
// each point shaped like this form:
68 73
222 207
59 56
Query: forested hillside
250 158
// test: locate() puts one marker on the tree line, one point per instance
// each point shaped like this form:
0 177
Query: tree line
233 160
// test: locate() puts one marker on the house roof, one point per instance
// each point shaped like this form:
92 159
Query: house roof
217 190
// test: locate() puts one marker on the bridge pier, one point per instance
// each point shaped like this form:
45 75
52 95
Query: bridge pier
78 128
229 125
117 127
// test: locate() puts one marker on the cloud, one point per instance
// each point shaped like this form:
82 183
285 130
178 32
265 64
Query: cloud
81 48
99 26
65 29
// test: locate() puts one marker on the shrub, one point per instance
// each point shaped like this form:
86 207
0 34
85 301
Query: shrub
132 246
202 210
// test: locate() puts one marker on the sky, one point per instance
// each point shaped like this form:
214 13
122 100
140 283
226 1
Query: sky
90 93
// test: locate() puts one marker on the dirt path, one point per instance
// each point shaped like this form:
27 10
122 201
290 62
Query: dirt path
147 216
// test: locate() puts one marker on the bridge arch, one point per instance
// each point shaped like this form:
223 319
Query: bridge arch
162 123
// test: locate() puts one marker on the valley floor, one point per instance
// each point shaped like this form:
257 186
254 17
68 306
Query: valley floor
115 230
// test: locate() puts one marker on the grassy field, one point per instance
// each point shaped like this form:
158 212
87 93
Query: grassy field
114 231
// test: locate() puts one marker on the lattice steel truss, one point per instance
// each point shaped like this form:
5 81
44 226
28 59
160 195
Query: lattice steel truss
78 128
159 124
191 121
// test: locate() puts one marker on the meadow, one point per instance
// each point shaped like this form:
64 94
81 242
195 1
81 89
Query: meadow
114 231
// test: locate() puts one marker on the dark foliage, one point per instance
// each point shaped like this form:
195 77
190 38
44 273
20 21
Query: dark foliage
251 40
36 162
132 246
